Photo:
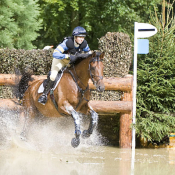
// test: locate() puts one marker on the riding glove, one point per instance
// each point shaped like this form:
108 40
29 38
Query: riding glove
73 58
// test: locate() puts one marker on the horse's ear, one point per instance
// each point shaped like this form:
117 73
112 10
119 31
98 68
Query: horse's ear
102 55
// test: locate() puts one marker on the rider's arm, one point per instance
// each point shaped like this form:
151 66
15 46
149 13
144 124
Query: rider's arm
59 51
87 49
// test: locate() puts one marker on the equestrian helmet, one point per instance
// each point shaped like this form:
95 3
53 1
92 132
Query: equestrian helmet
79 31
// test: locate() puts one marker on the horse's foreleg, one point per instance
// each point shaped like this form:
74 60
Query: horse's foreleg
75 141
77 123
92 125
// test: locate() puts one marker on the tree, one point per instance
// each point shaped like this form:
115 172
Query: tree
156 79
18 23
97 16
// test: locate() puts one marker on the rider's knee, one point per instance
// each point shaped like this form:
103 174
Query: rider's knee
59 66
53 75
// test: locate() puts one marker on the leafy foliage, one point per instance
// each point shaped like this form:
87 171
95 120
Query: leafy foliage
156 79
18 23
97 16
20 20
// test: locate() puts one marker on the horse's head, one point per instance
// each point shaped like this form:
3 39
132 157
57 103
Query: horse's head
96 70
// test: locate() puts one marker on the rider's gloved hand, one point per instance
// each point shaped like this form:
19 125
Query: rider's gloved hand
73 58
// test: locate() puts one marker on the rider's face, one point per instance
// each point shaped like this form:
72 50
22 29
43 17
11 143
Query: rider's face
79 39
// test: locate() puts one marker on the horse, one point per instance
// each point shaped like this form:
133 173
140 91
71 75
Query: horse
71 95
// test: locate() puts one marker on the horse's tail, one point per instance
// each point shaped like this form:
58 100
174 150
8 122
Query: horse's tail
23 84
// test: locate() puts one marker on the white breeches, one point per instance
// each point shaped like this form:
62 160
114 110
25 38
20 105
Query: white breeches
57 64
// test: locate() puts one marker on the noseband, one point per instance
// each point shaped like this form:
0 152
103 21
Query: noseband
94 59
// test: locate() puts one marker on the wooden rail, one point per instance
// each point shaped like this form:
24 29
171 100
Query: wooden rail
123 107
123 84
98 106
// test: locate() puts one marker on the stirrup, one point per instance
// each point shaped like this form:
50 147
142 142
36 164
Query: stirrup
43 99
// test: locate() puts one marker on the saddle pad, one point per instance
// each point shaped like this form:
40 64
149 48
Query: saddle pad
58 78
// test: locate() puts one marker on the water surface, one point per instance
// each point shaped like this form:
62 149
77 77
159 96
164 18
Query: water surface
48 151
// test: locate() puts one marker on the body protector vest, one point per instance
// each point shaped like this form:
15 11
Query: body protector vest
71 47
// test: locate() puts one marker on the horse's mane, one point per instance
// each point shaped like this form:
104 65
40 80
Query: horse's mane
98 53
81 59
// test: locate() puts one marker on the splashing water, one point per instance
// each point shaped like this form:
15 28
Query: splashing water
47 149
44 134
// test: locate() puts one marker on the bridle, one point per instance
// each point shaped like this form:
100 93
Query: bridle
93 68
94 59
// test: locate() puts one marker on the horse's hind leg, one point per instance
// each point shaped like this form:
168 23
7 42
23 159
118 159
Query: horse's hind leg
92 125
28 116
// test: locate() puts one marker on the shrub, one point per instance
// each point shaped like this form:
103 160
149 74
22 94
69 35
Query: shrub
156 79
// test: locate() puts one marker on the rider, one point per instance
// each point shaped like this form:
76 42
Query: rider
63 55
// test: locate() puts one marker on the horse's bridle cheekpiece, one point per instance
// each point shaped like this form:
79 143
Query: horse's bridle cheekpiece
93 68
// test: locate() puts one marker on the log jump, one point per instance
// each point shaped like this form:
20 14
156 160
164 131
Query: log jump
124 107
122 84
100 107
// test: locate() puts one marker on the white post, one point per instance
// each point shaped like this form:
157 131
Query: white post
141 30
134 85
134 96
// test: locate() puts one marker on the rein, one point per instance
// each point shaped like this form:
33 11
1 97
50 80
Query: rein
92 68
79 88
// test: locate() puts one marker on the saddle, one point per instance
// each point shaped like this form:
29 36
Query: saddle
56 82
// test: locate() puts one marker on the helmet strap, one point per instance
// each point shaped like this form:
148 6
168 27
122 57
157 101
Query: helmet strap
75 43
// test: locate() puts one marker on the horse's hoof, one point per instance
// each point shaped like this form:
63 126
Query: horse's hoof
85 134
75 142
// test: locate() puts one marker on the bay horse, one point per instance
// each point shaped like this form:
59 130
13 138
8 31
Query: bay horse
71 95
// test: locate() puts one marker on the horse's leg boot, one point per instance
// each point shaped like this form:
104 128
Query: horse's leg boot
92 125
43 98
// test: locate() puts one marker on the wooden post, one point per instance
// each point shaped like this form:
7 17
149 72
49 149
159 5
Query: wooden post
125 135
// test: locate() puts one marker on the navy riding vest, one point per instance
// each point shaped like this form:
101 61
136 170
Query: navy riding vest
71 47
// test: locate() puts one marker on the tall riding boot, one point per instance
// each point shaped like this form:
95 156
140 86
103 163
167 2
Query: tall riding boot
43 98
